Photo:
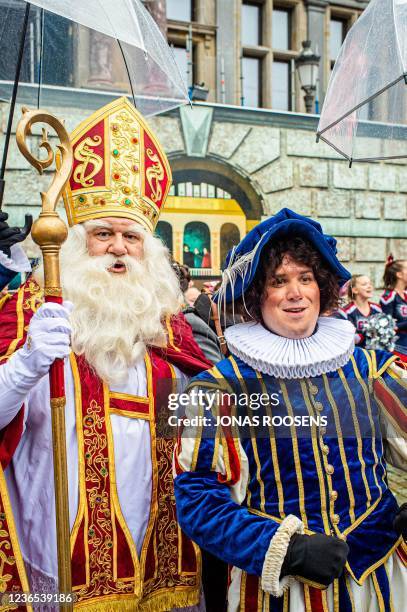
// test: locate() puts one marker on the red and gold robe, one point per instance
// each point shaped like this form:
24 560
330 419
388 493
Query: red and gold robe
107 572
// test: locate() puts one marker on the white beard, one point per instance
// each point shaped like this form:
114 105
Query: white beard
116 316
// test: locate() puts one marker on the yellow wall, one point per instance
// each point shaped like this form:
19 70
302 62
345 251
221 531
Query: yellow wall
215 212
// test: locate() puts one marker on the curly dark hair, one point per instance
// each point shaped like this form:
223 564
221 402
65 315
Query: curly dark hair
301 251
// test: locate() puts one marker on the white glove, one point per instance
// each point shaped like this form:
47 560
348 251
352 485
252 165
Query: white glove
47 339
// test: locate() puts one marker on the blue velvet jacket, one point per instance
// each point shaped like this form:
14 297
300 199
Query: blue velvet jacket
331 476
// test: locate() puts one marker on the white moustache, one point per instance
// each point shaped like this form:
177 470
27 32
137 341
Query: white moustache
105 262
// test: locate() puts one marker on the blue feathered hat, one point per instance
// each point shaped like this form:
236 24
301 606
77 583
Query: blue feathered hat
242 261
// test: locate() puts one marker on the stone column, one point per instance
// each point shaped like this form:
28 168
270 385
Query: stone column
158 10
177 241
227 56
100 59
215 250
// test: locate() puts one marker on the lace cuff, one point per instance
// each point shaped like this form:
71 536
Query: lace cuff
277 550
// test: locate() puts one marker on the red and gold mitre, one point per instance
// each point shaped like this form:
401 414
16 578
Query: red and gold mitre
119 169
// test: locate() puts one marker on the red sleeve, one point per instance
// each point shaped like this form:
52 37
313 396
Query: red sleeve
182 350
15 316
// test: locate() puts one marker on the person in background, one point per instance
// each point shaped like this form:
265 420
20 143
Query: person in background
188 257
206 259
12 257
359 308
191 295
394 300
197 258
209 287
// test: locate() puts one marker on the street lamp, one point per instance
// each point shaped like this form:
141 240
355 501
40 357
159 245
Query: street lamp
307 65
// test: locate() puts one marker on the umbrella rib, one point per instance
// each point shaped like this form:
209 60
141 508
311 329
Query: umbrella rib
360 159
334 147
378 93
128 72
14 92
40 62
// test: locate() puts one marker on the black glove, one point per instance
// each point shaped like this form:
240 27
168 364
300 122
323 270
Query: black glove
12 235
400 521
318 558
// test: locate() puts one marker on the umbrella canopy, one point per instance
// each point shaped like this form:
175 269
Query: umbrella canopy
364 116
112 46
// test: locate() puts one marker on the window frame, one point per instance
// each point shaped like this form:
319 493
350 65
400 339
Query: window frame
290 12
290 85
260 78
259 5
193 14
258 52
285 55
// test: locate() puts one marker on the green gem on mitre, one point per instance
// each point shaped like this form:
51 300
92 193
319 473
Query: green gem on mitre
127 202
115 152
82 199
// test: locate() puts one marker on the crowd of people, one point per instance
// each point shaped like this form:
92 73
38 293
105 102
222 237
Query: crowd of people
294 514
356 303
359 306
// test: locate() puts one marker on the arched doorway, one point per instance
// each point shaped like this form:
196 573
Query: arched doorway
196 245
216 172
164 231
229 237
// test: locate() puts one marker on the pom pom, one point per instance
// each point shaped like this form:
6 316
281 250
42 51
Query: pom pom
380 332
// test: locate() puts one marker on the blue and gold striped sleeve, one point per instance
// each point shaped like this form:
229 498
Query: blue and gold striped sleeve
211 475
390 392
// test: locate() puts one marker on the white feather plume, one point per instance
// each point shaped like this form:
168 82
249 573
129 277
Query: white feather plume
238 267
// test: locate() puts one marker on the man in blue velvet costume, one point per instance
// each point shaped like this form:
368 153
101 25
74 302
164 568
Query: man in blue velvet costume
297 503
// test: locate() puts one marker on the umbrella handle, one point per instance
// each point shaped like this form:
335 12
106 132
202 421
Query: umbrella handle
49 232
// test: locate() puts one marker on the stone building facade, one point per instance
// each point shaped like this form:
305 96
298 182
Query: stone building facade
264 160
253 160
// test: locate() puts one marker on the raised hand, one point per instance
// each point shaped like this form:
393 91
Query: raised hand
12 235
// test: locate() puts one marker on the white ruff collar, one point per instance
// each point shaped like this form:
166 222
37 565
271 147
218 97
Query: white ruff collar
328 349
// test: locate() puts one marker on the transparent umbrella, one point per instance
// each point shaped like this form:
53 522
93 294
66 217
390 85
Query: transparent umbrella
364 116
80 54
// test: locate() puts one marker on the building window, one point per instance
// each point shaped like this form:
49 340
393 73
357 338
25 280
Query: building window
251 24
281 91
179 10
283 55
197 244
229 237
251 82
164 232
182 59
337 33
200 190
281 29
